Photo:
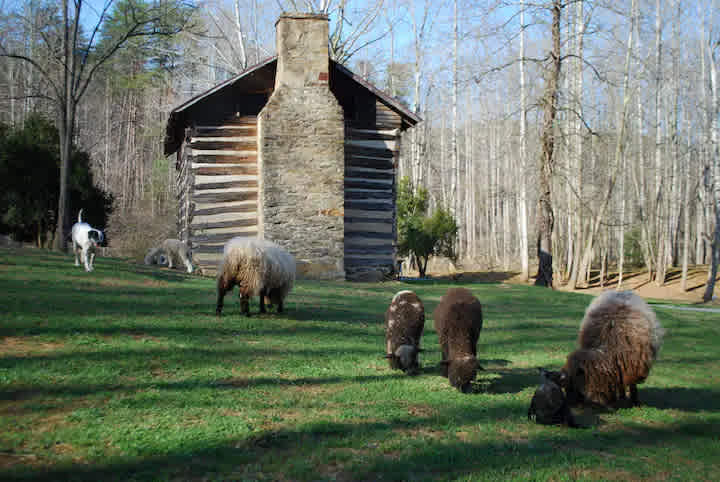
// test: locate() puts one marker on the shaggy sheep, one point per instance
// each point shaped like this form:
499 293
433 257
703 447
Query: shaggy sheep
404 324
619 339
549 405
257 267
172 251
458 321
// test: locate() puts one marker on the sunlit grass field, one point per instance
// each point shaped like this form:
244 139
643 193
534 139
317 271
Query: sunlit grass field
125 373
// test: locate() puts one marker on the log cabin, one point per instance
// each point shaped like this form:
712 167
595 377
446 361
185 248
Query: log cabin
297 149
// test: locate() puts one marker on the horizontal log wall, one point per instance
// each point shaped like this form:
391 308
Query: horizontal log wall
222 198
370 162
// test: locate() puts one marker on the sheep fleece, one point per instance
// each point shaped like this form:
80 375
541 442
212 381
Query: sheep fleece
256 265
404 324
619 340
458 322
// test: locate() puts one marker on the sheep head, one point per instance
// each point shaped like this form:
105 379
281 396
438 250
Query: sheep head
559 377
583 372
407 356
274 297
151 256
462 371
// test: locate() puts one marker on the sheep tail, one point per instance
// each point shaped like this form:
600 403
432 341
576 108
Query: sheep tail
80 216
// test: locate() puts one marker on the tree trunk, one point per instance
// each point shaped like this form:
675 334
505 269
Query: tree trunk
545 218
580 222
715 159
619 149
66 124
454 157
522 205
659 261
686 211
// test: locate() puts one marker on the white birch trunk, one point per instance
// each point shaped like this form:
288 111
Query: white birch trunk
660 259
715 169
522 205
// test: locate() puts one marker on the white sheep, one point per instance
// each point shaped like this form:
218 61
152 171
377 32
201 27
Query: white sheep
171 251
259 268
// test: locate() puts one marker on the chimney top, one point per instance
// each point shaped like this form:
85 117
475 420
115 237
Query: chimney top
302 16
302 47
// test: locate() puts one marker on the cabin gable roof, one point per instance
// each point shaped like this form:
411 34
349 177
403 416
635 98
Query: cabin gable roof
259 81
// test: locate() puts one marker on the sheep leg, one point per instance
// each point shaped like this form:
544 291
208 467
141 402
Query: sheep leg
244 304
444 363
222 288
280 306
76 249
634 395
263 294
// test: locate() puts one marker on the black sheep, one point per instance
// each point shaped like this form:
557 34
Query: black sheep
549 405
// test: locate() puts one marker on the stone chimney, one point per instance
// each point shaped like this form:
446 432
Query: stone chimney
302 45
301 153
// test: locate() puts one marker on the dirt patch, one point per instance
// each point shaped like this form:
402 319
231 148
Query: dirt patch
421 410
671 290
26 346
11 459
122 283
515 437
421 433
599 474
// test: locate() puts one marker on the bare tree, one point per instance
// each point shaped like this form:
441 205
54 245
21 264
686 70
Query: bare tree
715 168
522 202
545 215
77 60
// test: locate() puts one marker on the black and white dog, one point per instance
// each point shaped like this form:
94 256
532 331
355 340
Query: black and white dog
85 240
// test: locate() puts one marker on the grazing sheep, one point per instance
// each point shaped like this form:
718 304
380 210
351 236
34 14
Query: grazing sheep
458 321
170 251
549 404
257 267
404 324
619 339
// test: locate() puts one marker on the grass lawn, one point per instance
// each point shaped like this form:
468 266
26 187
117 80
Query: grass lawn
126 374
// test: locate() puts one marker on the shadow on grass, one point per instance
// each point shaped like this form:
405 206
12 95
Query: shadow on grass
680 398
235 383
513 380
314 451
477 277
168 275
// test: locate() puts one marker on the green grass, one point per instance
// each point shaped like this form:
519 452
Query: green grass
126 374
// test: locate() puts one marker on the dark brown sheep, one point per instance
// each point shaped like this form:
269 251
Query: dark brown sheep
458 322
619 340
404 324
549 405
